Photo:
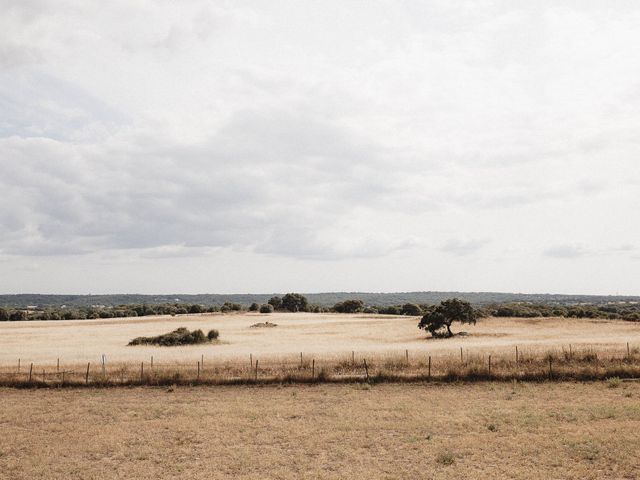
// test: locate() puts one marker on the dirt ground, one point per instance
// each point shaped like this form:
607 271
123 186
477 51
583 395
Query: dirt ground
320 335
487 430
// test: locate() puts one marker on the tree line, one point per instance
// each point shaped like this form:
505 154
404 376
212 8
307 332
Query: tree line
296 302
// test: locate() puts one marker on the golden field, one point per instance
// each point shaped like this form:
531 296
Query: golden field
320 336
390 431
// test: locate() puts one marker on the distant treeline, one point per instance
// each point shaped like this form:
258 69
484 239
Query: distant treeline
326 300
295 302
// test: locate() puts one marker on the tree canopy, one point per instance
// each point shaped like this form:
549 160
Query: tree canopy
439 319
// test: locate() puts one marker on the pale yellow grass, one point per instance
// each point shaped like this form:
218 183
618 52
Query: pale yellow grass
321 336
518 431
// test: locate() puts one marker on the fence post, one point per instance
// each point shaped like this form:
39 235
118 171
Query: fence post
516 353
141 371
198 377
151 361
86 378
300 359
58 366
353 357
366 369
489 366
30 371
461 358
251 359
570 353
429 367
202 360
406 354
550 371
256 369
313 369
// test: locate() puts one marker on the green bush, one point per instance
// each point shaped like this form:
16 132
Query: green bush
213 334
180 336
266 308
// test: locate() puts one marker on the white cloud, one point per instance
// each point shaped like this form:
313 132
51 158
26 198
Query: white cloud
492 131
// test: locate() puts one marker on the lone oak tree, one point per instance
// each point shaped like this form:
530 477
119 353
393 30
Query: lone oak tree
449 311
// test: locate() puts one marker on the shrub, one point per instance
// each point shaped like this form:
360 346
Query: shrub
213 334
195 308
349 306
18 315
254 307
411 309
230 306
266 308
180 336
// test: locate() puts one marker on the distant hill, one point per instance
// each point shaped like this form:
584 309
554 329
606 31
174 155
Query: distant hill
325 299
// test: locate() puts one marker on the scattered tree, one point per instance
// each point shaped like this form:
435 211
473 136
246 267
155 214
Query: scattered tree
275 302
442 316
254 307
294 302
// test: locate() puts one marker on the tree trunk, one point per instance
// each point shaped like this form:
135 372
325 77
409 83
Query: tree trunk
449 332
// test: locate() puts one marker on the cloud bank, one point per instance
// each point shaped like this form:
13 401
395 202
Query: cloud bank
480 145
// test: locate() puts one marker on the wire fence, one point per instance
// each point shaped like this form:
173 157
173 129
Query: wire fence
579 363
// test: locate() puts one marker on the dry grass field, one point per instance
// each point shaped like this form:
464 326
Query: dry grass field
485 430
319 335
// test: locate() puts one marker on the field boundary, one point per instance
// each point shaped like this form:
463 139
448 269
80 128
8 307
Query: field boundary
583 364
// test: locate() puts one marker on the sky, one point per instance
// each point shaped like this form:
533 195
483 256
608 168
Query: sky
245 146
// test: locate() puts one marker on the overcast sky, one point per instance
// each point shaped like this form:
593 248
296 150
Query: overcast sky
199 146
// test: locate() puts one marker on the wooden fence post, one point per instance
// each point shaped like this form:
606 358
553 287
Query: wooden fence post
516 353
406 354
366 369
313 369
202 360
300 359
570 353
256 369
628 351
251 359
429 367
461 358
58 366
353 357
30 371
86 378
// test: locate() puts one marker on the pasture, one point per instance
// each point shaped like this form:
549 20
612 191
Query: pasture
321 336
392 431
